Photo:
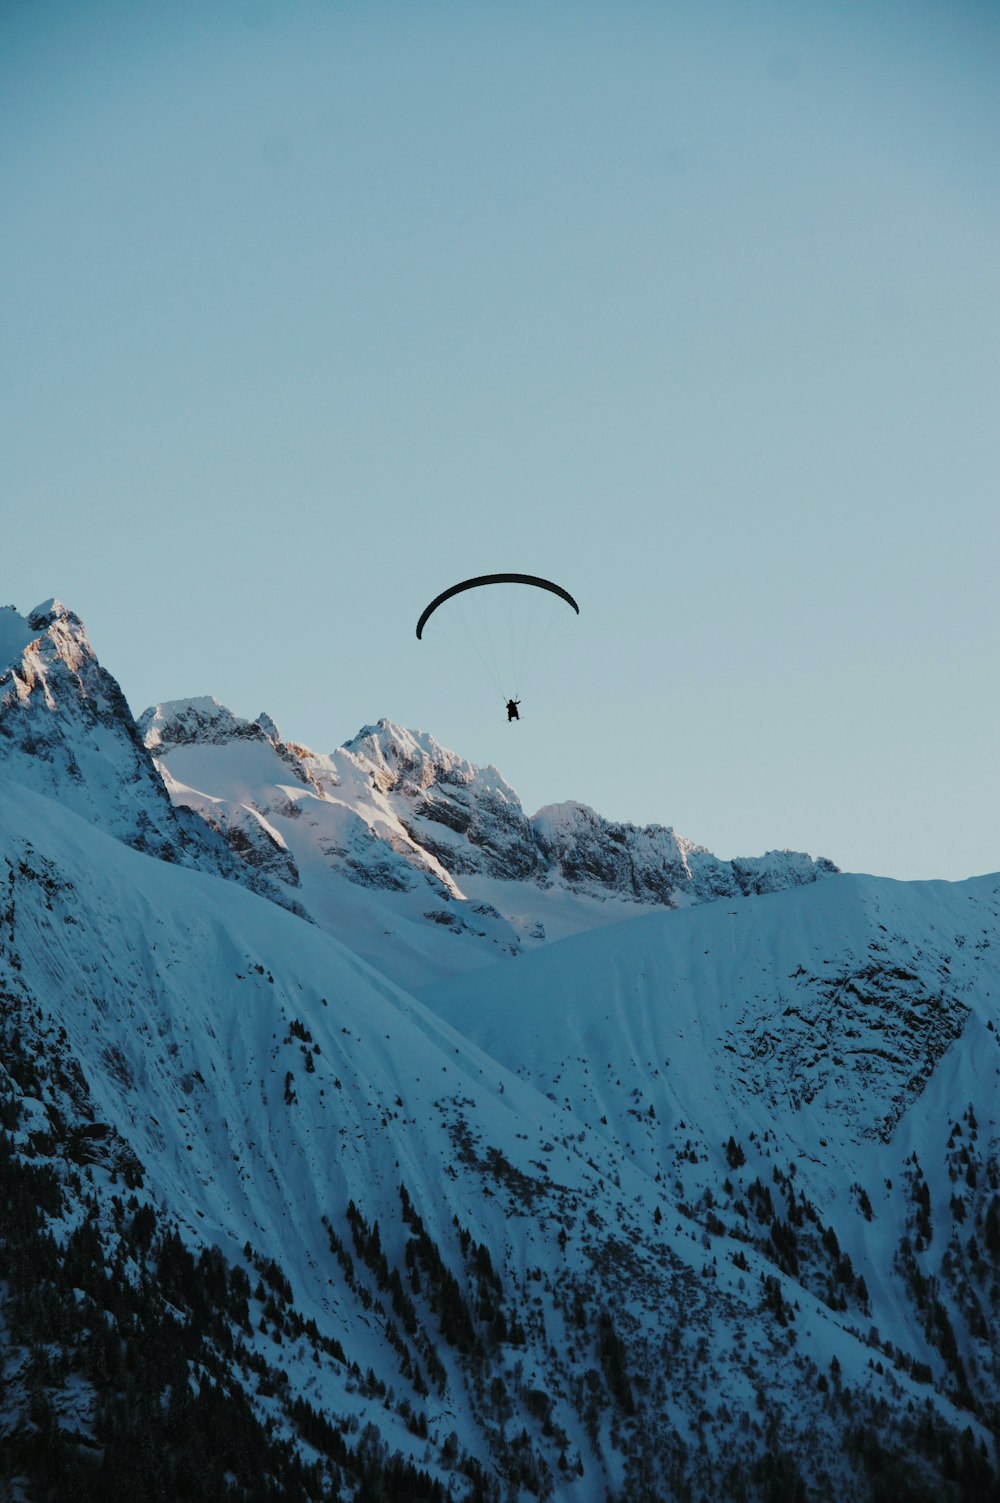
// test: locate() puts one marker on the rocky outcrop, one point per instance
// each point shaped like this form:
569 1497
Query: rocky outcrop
652 864
203 721
473 822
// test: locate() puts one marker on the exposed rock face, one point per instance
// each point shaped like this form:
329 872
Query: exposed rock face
203 721
403 819
438 794
653 864
392 812
474 823
66 730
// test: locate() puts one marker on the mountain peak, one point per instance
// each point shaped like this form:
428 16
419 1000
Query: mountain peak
66 729
414 759
202 719
393 810
570 816
18 632
48 612
654 864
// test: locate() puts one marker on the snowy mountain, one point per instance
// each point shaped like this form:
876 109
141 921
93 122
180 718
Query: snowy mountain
67 731
695 1200
421 861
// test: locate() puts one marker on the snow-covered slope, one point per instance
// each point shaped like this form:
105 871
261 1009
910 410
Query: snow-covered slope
418 859
823 1009
699 1200
246 1073
839 1042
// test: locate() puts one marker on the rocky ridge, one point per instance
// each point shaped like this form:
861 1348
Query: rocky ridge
392 811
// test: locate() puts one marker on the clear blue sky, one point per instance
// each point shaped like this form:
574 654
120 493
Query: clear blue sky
310 309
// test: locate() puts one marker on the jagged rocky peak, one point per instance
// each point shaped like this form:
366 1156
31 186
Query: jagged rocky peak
469 818
268 726
49 612
47 633
201 720
567 825
653 863
648 864
66 730
412 761
49 673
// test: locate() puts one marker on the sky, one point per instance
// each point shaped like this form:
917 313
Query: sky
309 310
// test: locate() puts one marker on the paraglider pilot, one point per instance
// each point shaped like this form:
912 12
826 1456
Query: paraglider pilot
512 705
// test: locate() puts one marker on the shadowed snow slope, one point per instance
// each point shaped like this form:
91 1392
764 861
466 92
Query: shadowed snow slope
824 1008
830 1041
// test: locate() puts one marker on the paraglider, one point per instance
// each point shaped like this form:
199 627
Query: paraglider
492 579
503 630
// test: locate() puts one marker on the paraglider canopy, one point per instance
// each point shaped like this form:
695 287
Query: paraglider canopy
488 579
